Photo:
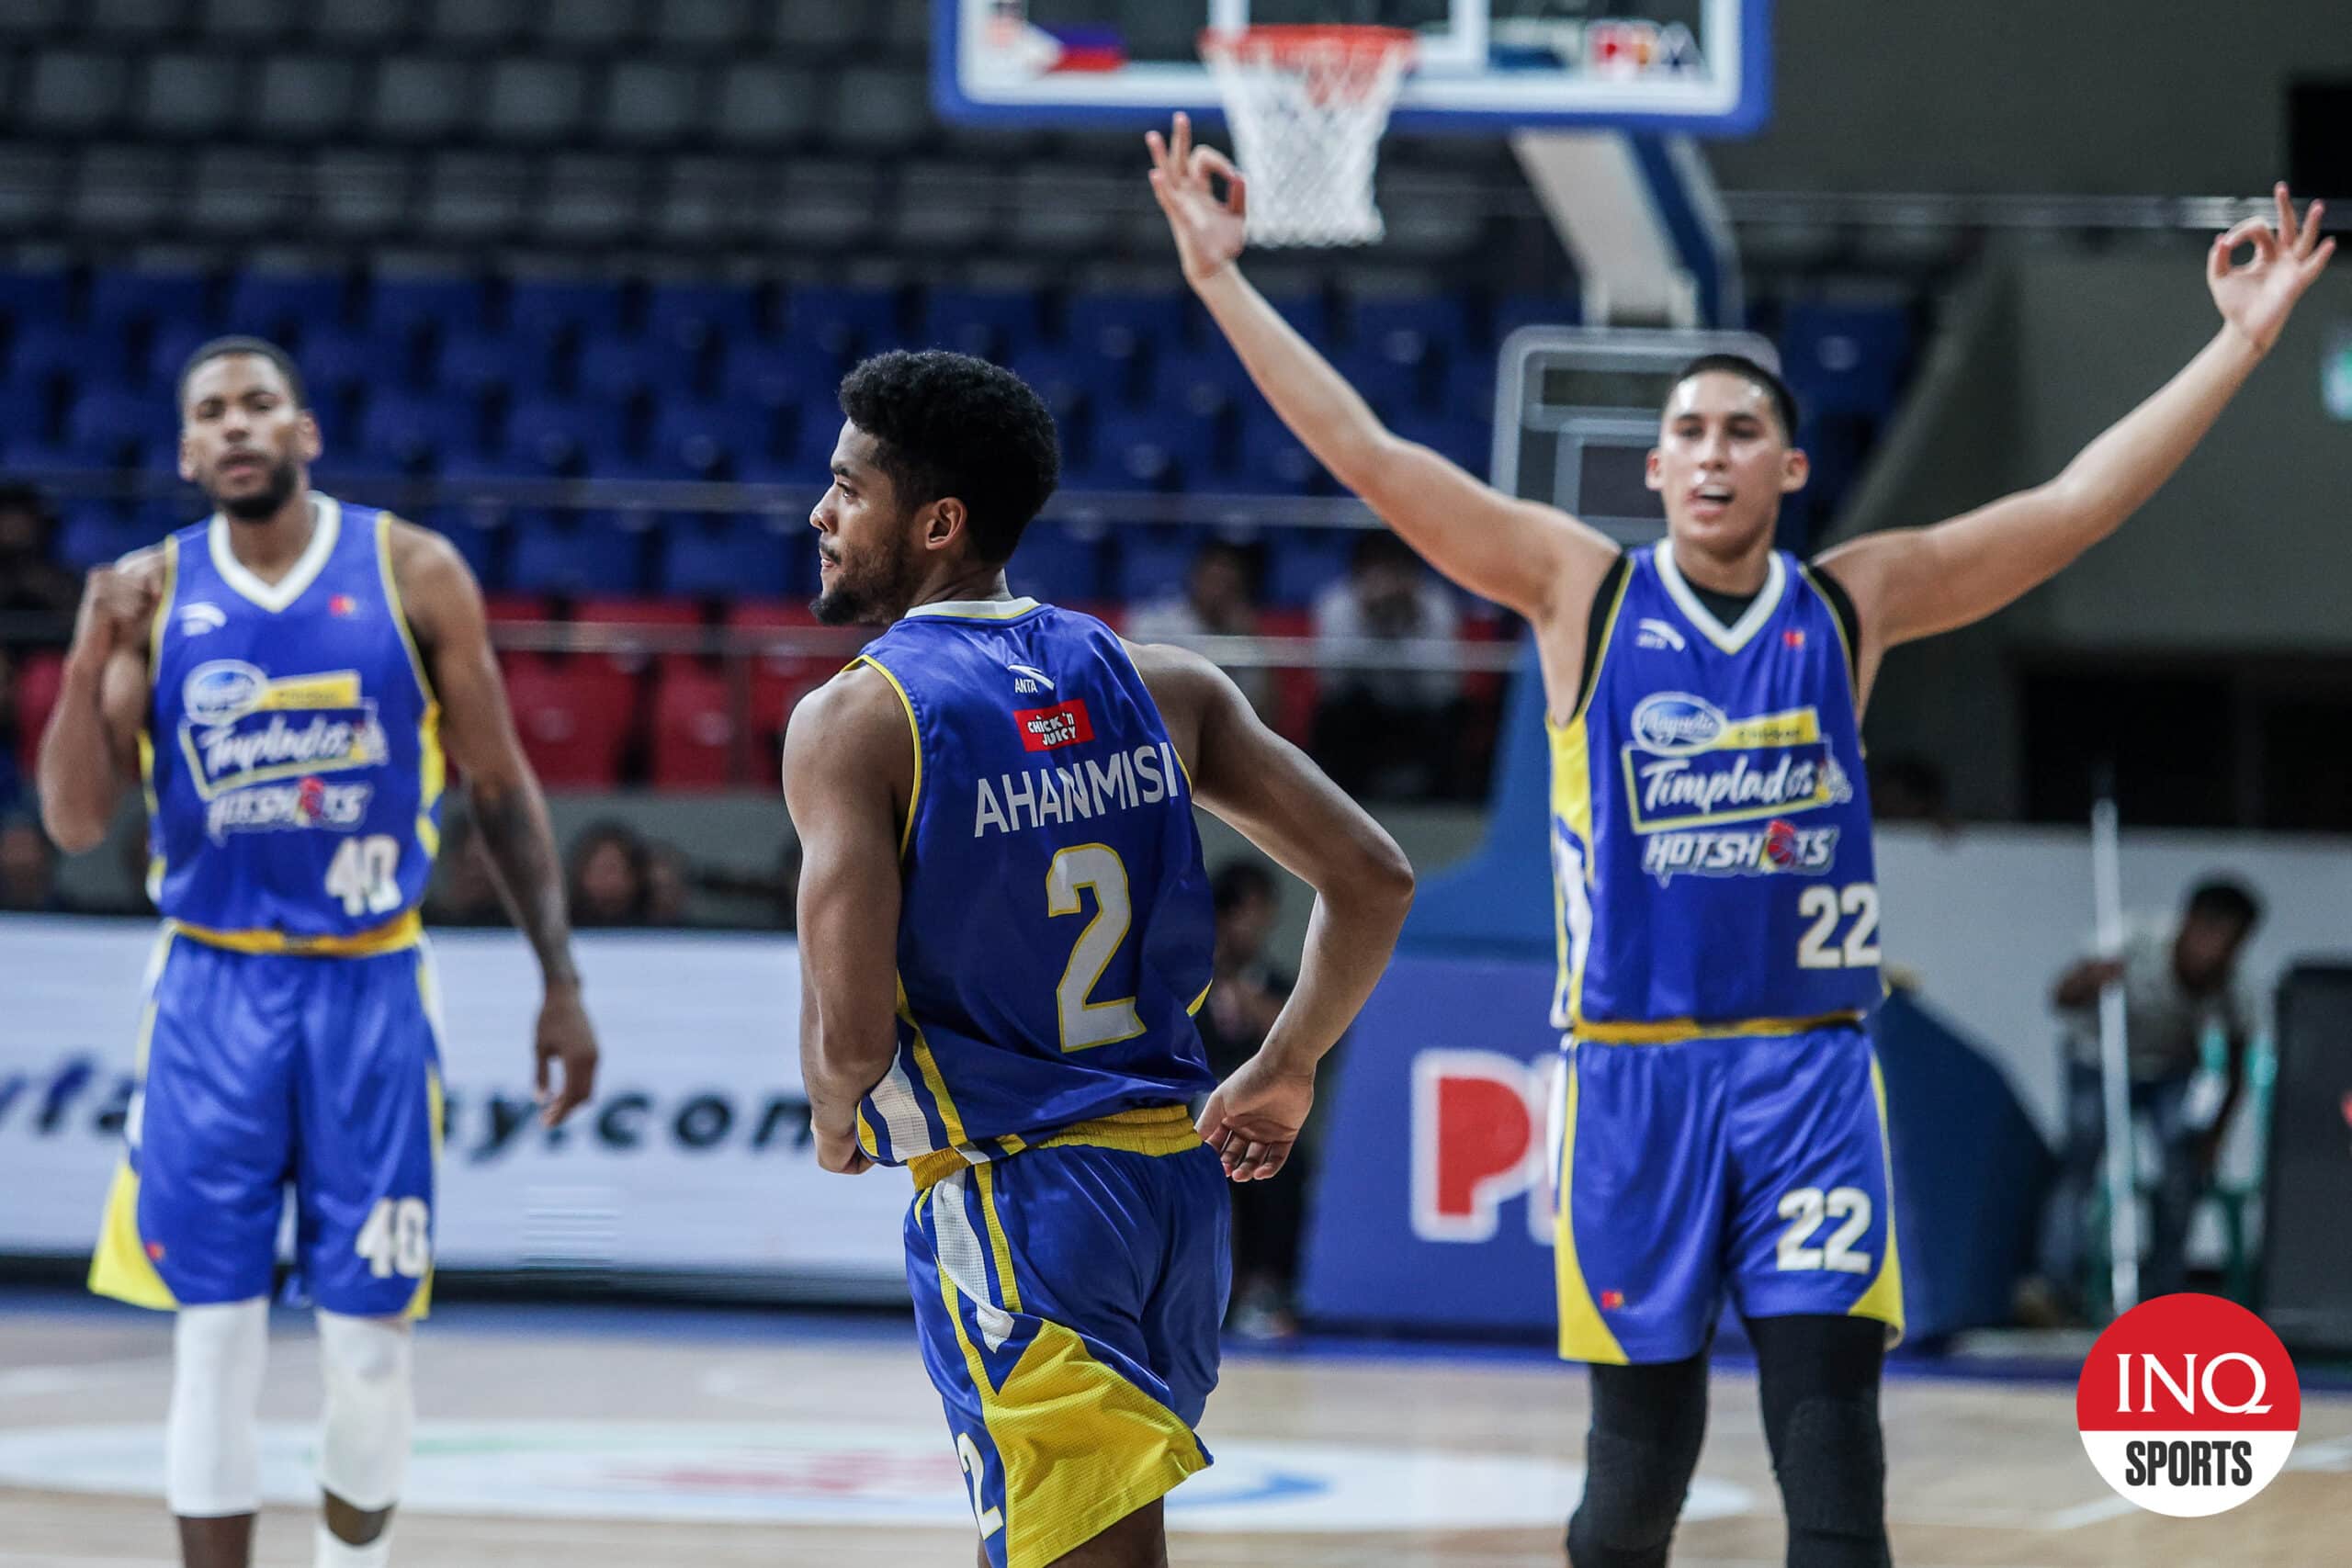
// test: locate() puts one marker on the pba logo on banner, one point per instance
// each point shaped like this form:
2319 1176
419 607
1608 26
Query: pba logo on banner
2188 1405
1482 1135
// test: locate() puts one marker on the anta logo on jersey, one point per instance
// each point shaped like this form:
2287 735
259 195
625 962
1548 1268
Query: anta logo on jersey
243 729
1063 723
1777 847
313 803
1689 765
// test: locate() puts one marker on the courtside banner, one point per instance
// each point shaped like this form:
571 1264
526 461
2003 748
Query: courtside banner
693 1158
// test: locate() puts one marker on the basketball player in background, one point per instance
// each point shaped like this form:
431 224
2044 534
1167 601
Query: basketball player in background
284 679
1005 932
1710 844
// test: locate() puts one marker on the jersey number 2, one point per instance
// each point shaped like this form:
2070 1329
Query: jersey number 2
1086 1024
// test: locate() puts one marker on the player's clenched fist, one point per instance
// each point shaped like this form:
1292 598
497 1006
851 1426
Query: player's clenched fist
115 606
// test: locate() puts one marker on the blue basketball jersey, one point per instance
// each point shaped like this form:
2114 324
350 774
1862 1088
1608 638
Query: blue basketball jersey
1055 934
294 771
1711 831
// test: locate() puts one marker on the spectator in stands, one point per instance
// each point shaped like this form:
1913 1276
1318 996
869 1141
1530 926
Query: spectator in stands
28 868
1246 992
12 783
2179 978
1387 732
1219 599
668 878
31 582
465 891
608 876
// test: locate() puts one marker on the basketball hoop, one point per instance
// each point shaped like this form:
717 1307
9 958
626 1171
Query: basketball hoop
1308 106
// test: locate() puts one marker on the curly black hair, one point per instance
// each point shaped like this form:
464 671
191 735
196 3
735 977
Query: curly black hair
241 344
1784 402
947 424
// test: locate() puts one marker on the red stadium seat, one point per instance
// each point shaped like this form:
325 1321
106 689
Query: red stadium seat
38 674
778 681
574 716
1294 687
663 613
693 727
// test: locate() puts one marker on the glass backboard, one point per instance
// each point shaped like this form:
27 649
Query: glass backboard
1698 66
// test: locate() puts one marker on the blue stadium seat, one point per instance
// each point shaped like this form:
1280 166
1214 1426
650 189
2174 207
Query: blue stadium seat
1154 560
275 304
1411 328
725 557
548 309
612 368
575 556
340 359
1058 563
1467 441
479 539
1307 313
123 297
846 322
1470 389
1206 381
1273 460
1516 310
1845 359
29 299
696 438
1301 563
1121 326
692 316
1065 380
46 349
1149 451
409 428
479 363
987 323
168 355
106 420
90 532
1394 388
402 306
773 375
547 435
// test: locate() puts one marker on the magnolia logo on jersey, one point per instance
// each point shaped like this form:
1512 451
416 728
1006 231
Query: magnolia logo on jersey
222 692
1675 724
327 741
1063 723
2188 1405
201 618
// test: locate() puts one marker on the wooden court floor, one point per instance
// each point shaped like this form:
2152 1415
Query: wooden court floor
620 1437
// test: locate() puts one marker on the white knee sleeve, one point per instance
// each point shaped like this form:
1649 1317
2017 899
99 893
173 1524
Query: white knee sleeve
371 1405
212 1440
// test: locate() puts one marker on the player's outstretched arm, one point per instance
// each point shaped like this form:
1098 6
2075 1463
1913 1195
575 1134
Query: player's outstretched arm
452 631
1915 582
1281 802
1536 559
849 764
91 745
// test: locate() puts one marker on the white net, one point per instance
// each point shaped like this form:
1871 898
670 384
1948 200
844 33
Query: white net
1308 106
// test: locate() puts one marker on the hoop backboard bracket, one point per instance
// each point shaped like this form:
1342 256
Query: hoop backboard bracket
1576 413
1698 66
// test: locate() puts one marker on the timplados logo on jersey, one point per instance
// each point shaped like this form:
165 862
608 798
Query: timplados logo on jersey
242 731
1717 796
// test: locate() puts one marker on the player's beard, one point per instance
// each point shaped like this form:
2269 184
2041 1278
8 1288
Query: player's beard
873 594
262 503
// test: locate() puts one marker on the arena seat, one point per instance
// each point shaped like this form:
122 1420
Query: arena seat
574 714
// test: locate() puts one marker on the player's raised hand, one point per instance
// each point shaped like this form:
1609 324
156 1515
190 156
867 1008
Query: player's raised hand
117 603
564 1036
1208 227
1254 1119
2257 295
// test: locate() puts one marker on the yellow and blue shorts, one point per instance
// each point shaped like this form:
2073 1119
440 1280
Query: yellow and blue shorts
1068 1299
1755 1167
261 1071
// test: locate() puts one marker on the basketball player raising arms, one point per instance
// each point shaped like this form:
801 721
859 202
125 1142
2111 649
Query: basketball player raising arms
285 678
1710 845
1005 932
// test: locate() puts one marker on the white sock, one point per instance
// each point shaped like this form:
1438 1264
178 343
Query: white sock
337 1553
